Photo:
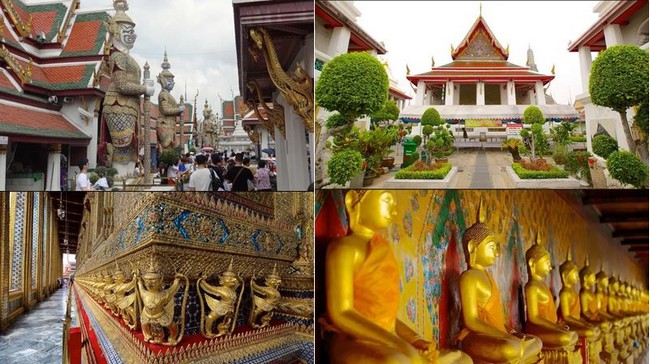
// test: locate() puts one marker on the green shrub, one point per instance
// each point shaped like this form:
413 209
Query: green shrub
641 118
353 84
604 145
559 154
344 165
577 162
523 173
417 140
628 168
439 173
578 139
93 177
431 117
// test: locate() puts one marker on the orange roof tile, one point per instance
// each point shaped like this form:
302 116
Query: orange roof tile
82 37
16 120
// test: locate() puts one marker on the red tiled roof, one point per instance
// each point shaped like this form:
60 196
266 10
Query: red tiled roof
228 110
479 26
42 21
16 120
399 93
4 81
83 36
474 70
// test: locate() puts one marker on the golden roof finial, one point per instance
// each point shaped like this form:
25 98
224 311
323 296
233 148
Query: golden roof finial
408 70
274 274
433 63
508 48
229 271
553 69
480 9
452 48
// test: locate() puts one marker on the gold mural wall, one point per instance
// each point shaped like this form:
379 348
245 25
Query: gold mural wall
427 239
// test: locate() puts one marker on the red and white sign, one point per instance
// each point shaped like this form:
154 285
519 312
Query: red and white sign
513 130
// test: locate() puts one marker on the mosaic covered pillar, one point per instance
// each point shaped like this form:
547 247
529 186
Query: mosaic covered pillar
3 167
4 261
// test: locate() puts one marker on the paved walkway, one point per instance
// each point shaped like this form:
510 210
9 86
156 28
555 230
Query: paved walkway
36 336
477 169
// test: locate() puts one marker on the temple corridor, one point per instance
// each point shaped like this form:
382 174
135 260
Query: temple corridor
36 336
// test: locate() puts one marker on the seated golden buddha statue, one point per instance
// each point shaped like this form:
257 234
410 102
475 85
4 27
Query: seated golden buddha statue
569 309
362 292
484 336
602 284
541 316
590 312
265 299
222 301
157 314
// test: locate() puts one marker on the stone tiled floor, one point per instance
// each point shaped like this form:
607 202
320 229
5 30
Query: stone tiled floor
36 337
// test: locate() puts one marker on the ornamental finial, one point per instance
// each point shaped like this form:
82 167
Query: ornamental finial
480 9
408 70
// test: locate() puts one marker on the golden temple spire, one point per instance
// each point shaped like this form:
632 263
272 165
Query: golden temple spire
480 9
408 70
433 63
553 70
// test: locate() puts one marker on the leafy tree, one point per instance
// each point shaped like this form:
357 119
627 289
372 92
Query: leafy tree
532 116
343 166
388 112
628 168
352 84
641 120
604 145
430 118
619 80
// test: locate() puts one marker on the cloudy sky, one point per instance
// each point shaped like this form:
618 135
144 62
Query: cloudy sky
413 32
200 40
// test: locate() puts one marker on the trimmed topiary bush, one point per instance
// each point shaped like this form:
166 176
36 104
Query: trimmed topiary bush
533 115
578 139
409 173
417 140
641 119
619 80
344 165
604 145
353 84
553 172
431 117
628 169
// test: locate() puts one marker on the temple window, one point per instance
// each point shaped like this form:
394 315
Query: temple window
493 95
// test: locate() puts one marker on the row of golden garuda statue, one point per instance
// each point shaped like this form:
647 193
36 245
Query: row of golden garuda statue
144 303
608 324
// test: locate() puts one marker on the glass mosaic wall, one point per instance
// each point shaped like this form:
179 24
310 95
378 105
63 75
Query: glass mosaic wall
18 244
44 242
35 234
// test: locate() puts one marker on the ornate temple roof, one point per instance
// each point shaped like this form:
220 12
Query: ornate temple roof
479 56
27 124
48 51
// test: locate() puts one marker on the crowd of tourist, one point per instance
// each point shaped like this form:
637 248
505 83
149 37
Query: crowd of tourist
220 171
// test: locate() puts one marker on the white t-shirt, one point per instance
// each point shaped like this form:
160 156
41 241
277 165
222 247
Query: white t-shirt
83 183
172 171
200 179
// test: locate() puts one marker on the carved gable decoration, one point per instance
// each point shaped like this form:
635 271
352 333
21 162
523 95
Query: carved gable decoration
479 47
479 44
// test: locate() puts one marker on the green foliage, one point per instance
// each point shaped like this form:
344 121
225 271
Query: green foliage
335 120
619 77
427 130
533 115
578 139
439 173
523 173
604 145
93 177
441 143
628 168
417 140
641 119
431 117
192 150
389 111
559 154
577 162
353 84
169 157
540 140
344 165
561 134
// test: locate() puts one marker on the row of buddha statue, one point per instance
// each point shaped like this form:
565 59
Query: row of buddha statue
144 303
608 324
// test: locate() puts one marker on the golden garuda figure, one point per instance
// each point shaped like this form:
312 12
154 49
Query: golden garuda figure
122 100
126 298
169 109
157 314
222 301
265 299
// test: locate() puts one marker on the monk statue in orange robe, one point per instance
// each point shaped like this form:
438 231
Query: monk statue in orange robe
362 287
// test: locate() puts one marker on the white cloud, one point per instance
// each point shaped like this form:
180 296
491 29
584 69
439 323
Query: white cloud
413 32
200 39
